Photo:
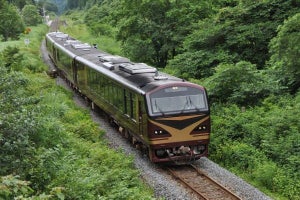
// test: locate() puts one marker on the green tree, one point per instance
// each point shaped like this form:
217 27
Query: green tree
31 15
237 32
249 27
11 23
15 123
157 26
73 4
285 50
199 64
50 6
96 19
21 3
239 83
202 51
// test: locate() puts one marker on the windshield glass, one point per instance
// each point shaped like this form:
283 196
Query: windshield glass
178 100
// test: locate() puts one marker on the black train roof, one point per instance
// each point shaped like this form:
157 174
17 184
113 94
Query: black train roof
139 75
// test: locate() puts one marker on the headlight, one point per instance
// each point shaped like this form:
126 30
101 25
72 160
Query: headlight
201 128
159 132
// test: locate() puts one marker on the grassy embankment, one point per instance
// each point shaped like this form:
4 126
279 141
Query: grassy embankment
52 147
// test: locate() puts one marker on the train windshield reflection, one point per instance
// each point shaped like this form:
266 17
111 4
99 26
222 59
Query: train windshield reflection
178 100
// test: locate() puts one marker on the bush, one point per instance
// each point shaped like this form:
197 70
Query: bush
240 84
284 62
260 143
12 58
265 174
11 23
17 122
31 16
12 186
239 157
198 65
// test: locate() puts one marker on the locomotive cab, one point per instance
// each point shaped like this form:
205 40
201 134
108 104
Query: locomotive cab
179 123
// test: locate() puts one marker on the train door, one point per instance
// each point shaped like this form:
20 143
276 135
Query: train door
142 118
74 68
54 53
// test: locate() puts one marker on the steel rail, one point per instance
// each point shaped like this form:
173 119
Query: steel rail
177 175
215 182
174 174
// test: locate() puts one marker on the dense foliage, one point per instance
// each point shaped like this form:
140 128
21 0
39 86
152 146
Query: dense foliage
11 23
261 143
15 15
285 50
239 83
150 31
21 3
31 16
55 6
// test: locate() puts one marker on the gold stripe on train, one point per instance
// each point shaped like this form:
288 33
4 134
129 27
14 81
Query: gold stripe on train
179 135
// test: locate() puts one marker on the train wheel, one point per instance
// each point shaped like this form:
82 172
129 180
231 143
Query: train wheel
113 123
134 141
121 130
145 151
150 155
87 101
126 134
138 146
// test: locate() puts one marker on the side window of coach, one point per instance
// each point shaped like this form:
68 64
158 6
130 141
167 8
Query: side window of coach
130 104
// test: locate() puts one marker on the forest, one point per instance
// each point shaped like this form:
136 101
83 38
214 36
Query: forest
246 53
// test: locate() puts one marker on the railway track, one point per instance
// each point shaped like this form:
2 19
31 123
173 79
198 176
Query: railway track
56 23
200 184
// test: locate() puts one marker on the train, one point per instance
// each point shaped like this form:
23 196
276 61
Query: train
166 117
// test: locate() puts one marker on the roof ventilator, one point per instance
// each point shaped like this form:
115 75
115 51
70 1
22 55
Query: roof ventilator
70 42
61 35
108 65
82 46
137 68
113 59
159 76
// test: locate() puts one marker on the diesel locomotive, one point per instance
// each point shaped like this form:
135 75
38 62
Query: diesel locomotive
165 116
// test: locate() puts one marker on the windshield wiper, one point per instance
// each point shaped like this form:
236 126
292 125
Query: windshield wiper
158 108
192 104
185 105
